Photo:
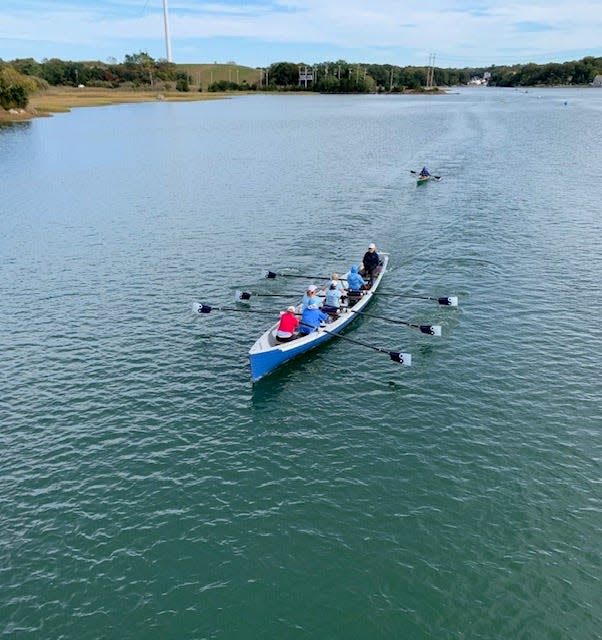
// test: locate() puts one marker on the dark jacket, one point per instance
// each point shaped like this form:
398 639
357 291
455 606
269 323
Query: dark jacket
371 261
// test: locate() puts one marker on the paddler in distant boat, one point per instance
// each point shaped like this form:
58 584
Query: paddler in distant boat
289 324
424 172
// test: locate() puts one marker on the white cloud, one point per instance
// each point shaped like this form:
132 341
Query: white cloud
476 31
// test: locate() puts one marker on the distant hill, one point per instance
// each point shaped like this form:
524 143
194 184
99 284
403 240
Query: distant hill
204 74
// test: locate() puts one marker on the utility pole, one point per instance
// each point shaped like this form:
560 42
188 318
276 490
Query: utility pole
430 72
167 38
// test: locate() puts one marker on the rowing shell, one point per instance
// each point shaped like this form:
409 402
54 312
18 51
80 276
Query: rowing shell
266 354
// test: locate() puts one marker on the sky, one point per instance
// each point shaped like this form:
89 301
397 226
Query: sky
459 33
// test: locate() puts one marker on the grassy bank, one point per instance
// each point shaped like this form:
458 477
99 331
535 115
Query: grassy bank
62 99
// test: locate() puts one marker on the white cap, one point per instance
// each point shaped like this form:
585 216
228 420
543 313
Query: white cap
372 246
291 309
312 287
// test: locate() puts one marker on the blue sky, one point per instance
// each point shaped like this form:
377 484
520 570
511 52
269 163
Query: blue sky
256 33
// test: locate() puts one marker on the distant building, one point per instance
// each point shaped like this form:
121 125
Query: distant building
597 81
480 82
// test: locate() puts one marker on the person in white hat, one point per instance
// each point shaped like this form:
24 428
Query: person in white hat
371 263
310 297
289 324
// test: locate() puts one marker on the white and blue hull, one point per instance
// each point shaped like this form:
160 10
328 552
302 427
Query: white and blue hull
267 354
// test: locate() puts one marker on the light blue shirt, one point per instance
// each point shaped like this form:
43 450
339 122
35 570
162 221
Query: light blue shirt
355 282
307 300
332 298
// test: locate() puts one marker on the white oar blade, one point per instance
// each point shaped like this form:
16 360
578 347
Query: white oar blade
242 296
436 330
453 301
404 359
196 307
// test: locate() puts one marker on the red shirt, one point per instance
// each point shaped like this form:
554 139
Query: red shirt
288 322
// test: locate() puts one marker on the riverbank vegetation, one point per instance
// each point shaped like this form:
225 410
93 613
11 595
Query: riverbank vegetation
25 83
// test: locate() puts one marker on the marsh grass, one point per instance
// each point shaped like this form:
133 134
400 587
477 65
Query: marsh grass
63 99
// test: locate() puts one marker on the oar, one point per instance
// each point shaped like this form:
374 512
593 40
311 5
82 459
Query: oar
446 301
396 356
199 307
432 176
271 275
429 329
246 295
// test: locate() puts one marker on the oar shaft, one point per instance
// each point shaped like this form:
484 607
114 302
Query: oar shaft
270 275
338 335
446 301
205 308
393 320
428 329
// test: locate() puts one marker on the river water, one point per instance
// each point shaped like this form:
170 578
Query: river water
149 490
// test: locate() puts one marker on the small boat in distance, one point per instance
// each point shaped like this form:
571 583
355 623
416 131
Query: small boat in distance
267 354
423 176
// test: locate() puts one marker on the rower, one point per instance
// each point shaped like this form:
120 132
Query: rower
355 285
311 319
289 323
310 297
332 300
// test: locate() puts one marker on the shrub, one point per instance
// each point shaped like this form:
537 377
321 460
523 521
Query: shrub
14 88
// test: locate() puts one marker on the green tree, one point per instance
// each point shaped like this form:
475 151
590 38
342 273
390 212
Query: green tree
14 88
284 74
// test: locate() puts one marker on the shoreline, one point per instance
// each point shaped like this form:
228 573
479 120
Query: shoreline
45 103
64 99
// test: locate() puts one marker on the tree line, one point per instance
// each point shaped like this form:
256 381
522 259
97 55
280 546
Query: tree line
18 78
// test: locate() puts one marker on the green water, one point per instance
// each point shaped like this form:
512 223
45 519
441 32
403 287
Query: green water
149 490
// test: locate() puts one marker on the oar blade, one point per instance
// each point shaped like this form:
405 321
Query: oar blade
270 275
430 329
198 307
404 359
448 301
242 296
